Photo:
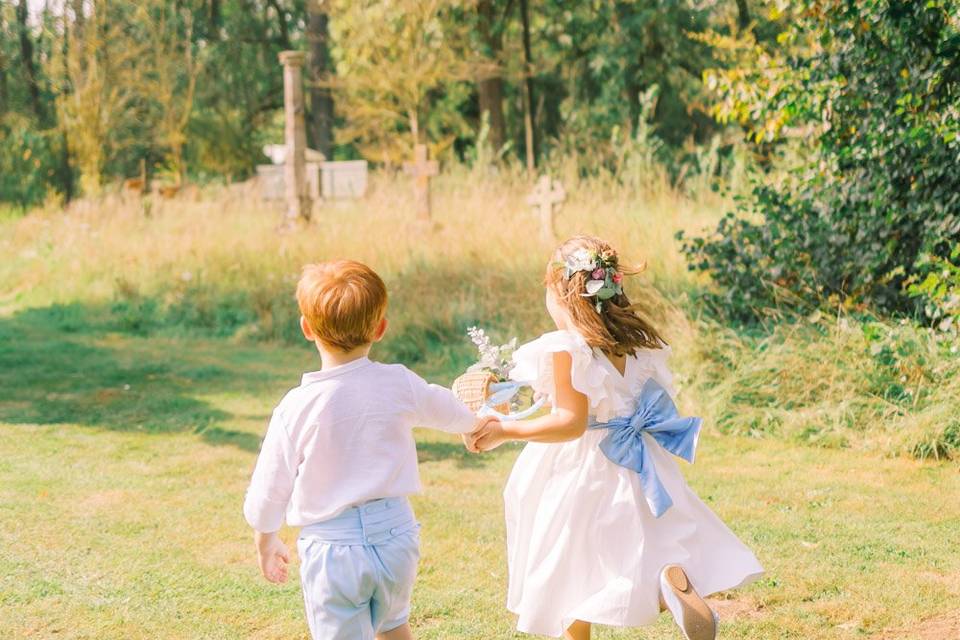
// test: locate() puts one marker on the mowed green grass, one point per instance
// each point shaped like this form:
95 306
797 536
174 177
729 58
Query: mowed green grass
124 459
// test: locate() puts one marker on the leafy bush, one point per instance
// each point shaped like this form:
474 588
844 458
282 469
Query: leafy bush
882 190
30 162
940 291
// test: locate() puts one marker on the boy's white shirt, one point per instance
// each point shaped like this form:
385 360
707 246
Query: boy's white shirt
343 437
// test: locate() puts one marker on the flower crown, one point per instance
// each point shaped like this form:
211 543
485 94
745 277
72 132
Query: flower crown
604 281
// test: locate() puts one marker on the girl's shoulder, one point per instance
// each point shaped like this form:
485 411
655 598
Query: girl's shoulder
552 342
533 364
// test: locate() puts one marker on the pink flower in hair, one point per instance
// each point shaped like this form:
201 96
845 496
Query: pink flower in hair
597 274
618 277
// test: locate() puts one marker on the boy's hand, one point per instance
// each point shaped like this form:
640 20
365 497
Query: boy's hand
469 439
489 436
272 556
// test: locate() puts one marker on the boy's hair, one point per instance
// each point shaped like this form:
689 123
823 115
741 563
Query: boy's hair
619 328
343 301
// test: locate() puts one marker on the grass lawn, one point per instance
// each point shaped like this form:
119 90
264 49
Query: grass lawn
123 462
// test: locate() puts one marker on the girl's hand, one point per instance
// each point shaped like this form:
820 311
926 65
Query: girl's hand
490 436
272 556
470 439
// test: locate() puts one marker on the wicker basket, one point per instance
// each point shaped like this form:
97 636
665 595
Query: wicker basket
473 388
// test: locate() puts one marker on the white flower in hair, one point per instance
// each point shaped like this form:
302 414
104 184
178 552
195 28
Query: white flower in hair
580 260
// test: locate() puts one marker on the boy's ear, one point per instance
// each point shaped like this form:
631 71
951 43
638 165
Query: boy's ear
307 331
381 330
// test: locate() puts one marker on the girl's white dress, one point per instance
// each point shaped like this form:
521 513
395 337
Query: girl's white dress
582 543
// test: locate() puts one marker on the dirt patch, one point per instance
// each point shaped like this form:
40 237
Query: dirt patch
735 608
942 627
101 500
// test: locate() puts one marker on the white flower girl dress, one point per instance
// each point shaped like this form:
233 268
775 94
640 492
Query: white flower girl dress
583 541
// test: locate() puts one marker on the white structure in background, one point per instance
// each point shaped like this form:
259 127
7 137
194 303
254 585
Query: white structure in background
343 180
328 180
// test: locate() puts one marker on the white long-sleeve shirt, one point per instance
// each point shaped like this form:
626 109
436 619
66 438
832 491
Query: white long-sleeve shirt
344 436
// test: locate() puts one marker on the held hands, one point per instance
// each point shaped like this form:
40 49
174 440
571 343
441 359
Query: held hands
272 556
487 434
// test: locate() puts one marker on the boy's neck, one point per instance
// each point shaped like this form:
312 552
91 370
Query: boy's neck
330 358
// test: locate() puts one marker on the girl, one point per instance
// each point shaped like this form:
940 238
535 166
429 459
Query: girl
601 526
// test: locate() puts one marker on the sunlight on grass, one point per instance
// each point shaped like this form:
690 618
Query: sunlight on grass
139 535
140 358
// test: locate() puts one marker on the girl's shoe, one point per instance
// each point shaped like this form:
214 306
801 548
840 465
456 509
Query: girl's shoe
696 620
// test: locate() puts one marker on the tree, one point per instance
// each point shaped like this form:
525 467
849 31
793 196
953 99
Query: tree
100 110
878 201
169 77
393 61
530 133
26 58
490 71
320 121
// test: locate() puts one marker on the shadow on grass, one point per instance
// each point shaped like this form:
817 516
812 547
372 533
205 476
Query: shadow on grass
434 451
62 365
73 364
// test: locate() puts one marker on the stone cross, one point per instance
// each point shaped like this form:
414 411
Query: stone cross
547 193
422 170
295 136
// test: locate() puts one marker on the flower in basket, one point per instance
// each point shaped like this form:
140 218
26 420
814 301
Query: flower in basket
488 380
494 359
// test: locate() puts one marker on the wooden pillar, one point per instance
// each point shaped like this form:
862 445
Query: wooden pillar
295 137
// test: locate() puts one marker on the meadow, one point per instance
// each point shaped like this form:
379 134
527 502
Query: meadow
142 346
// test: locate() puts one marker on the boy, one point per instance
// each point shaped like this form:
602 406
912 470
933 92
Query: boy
339 460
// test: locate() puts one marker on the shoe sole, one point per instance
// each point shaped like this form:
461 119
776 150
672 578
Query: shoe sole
692 614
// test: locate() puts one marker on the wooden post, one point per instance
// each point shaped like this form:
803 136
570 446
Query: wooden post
422 170
295 183
547 193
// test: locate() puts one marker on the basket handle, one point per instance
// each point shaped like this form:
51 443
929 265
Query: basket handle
502 392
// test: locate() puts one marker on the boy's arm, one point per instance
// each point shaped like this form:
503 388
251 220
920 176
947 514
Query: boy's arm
439 408
272 481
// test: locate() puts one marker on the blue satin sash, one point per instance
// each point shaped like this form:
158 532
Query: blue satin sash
656 416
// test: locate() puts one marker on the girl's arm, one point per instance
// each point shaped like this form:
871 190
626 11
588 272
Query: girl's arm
568 420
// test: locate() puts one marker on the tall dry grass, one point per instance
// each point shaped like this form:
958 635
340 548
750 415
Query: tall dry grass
479 260
218 263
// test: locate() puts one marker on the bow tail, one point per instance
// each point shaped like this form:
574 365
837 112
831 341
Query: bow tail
653 490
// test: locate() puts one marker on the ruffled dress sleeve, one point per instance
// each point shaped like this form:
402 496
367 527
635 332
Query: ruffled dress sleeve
533 364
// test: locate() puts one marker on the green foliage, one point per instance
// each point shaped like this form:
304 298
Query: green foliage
882 191
940 291
194 89
30 162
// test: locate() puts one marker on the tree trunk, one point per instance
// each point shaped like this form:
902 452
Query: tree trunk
320 117
743 14
214 18
26 54
66 173
3 67
490 81
531 135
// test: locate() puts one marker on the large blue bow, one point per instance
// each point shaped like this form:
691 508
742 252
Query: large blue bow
657 416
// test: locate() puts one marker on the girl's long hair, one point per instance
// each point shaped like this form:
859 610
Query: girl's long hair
619 328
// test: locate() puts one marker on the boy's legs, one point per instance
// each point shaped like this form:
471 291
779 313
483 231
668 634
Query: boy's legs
396 560
400 633
336 589
579 630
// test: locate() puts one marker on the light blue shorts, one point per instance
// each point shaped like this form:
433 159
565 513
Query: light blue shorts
358 568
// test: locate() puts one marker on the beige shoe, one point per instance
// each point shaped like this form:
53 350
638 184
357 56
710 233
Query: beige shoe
696 620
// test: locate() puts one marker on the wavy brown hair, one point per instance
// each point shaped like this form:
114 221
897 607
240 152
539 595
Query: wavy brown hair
619 328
